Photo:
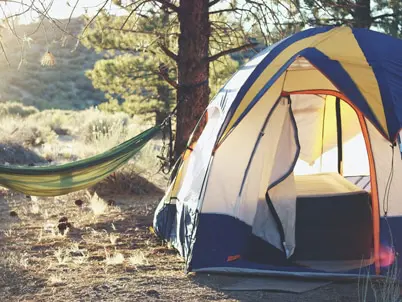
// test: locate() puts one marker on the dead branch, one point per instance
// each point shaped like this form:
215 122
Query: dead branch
168 52
231 50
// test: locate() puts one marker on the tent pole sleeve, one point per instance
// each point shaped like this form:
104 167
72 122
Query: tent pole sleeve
339 135
323 132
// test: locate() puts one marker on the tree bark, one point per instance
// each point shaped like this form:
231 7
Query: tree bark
362 14
193 70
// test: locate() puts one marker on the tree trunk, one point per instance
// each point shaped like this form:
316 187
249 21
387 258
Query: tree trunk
362 14
193 70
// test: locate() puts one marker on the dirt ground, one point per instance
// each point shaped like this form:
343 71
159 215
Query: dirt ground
108 253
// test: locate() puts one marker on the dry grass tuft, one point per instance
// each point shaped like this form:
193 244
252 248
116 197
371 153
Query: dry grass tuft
138 258
25 131
55 280
384 290
113 238
115 259
97 205
63 256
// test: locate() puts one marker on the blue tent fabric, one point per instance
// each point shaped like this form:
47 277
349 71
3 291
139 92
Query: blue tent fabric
359 66
383 53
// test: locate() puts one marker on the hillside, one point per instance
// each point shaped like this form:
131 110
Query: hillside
63 86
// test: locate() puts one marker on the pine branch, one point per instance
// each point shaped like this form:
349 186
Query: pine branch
213 2
165 76
94 17
168 4
132 12
145 32
384 16
231 50
223 11
168 52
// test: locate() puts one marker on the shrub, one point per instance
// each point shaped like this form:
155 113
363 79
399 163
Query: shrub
16 109
62 122
32 135
101 127
25 131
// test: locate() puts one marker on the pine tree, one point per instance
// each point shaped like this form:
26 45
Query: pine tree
382 15
139 78
133 85
191 34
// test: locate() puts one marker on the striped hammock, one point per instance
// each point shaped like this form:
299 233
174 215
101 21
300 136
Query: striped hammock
67 178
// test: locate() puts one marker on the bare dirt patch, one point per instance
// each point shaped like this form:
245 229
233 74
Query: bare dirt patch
58 249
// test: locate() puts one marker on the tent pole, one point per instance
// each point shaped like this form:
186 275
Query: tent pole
339 135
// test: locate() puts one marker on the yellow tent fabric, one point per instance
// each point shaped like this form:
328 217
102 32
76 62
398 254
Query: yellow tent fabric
338 45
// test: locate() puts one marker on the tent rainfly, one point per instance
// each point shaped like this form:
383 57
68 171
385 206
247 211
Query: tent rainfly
298 169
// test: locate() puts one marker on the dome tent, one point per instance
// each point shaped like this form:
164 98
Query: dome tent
273 184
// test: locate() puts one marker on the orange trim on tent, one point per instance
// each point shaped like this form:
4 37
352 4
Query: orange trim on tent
373 176
374 193
233 258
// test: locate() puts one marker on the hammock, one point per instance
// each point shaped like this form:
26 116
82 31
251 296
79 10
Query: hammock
82 174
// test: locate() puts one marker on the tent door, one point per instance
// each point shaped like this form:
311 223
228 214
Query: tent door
275 217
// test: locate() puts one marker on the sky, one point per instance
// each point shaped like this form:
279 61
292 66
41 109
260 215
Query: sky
59 9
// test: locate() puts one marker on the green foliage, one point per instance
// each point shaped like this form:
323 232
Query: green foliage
220 72
381 15
134 76
132 81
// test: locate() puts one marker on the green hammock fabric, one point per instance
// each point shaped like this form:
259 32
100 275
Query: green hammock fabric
63 179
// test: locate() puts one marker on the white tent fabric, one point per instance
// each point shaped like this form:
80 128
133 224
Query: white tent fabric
283 194
233 166
316 123
231 159
309 113
199 159
240 174
273 158
235 177
390 199
225 96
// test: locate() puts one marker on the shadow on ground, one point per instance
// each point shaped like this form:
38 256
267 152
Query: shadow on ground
125 181
337 291
159 276
206 287
15 284
15 154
